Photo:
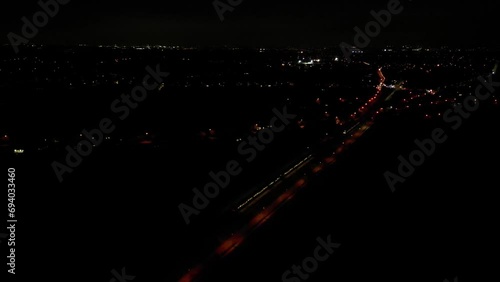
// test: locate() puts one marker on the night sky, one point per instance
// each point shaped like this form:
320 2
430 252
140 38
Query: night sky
255 23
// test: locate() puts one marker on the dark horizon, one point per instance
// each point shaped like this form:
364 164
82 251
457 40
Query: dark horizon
255 24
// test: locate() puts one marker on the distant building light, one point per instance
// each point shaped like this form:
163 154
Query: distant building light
18 151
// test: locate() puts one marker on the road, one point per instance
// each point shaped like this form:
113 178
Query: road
258 208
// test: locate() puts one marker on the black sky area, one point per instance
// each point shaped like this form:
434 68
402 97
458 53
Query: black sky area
256 23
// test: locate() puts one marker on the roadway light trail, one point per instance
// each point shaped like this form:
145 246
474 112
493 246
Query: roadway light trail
249 200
